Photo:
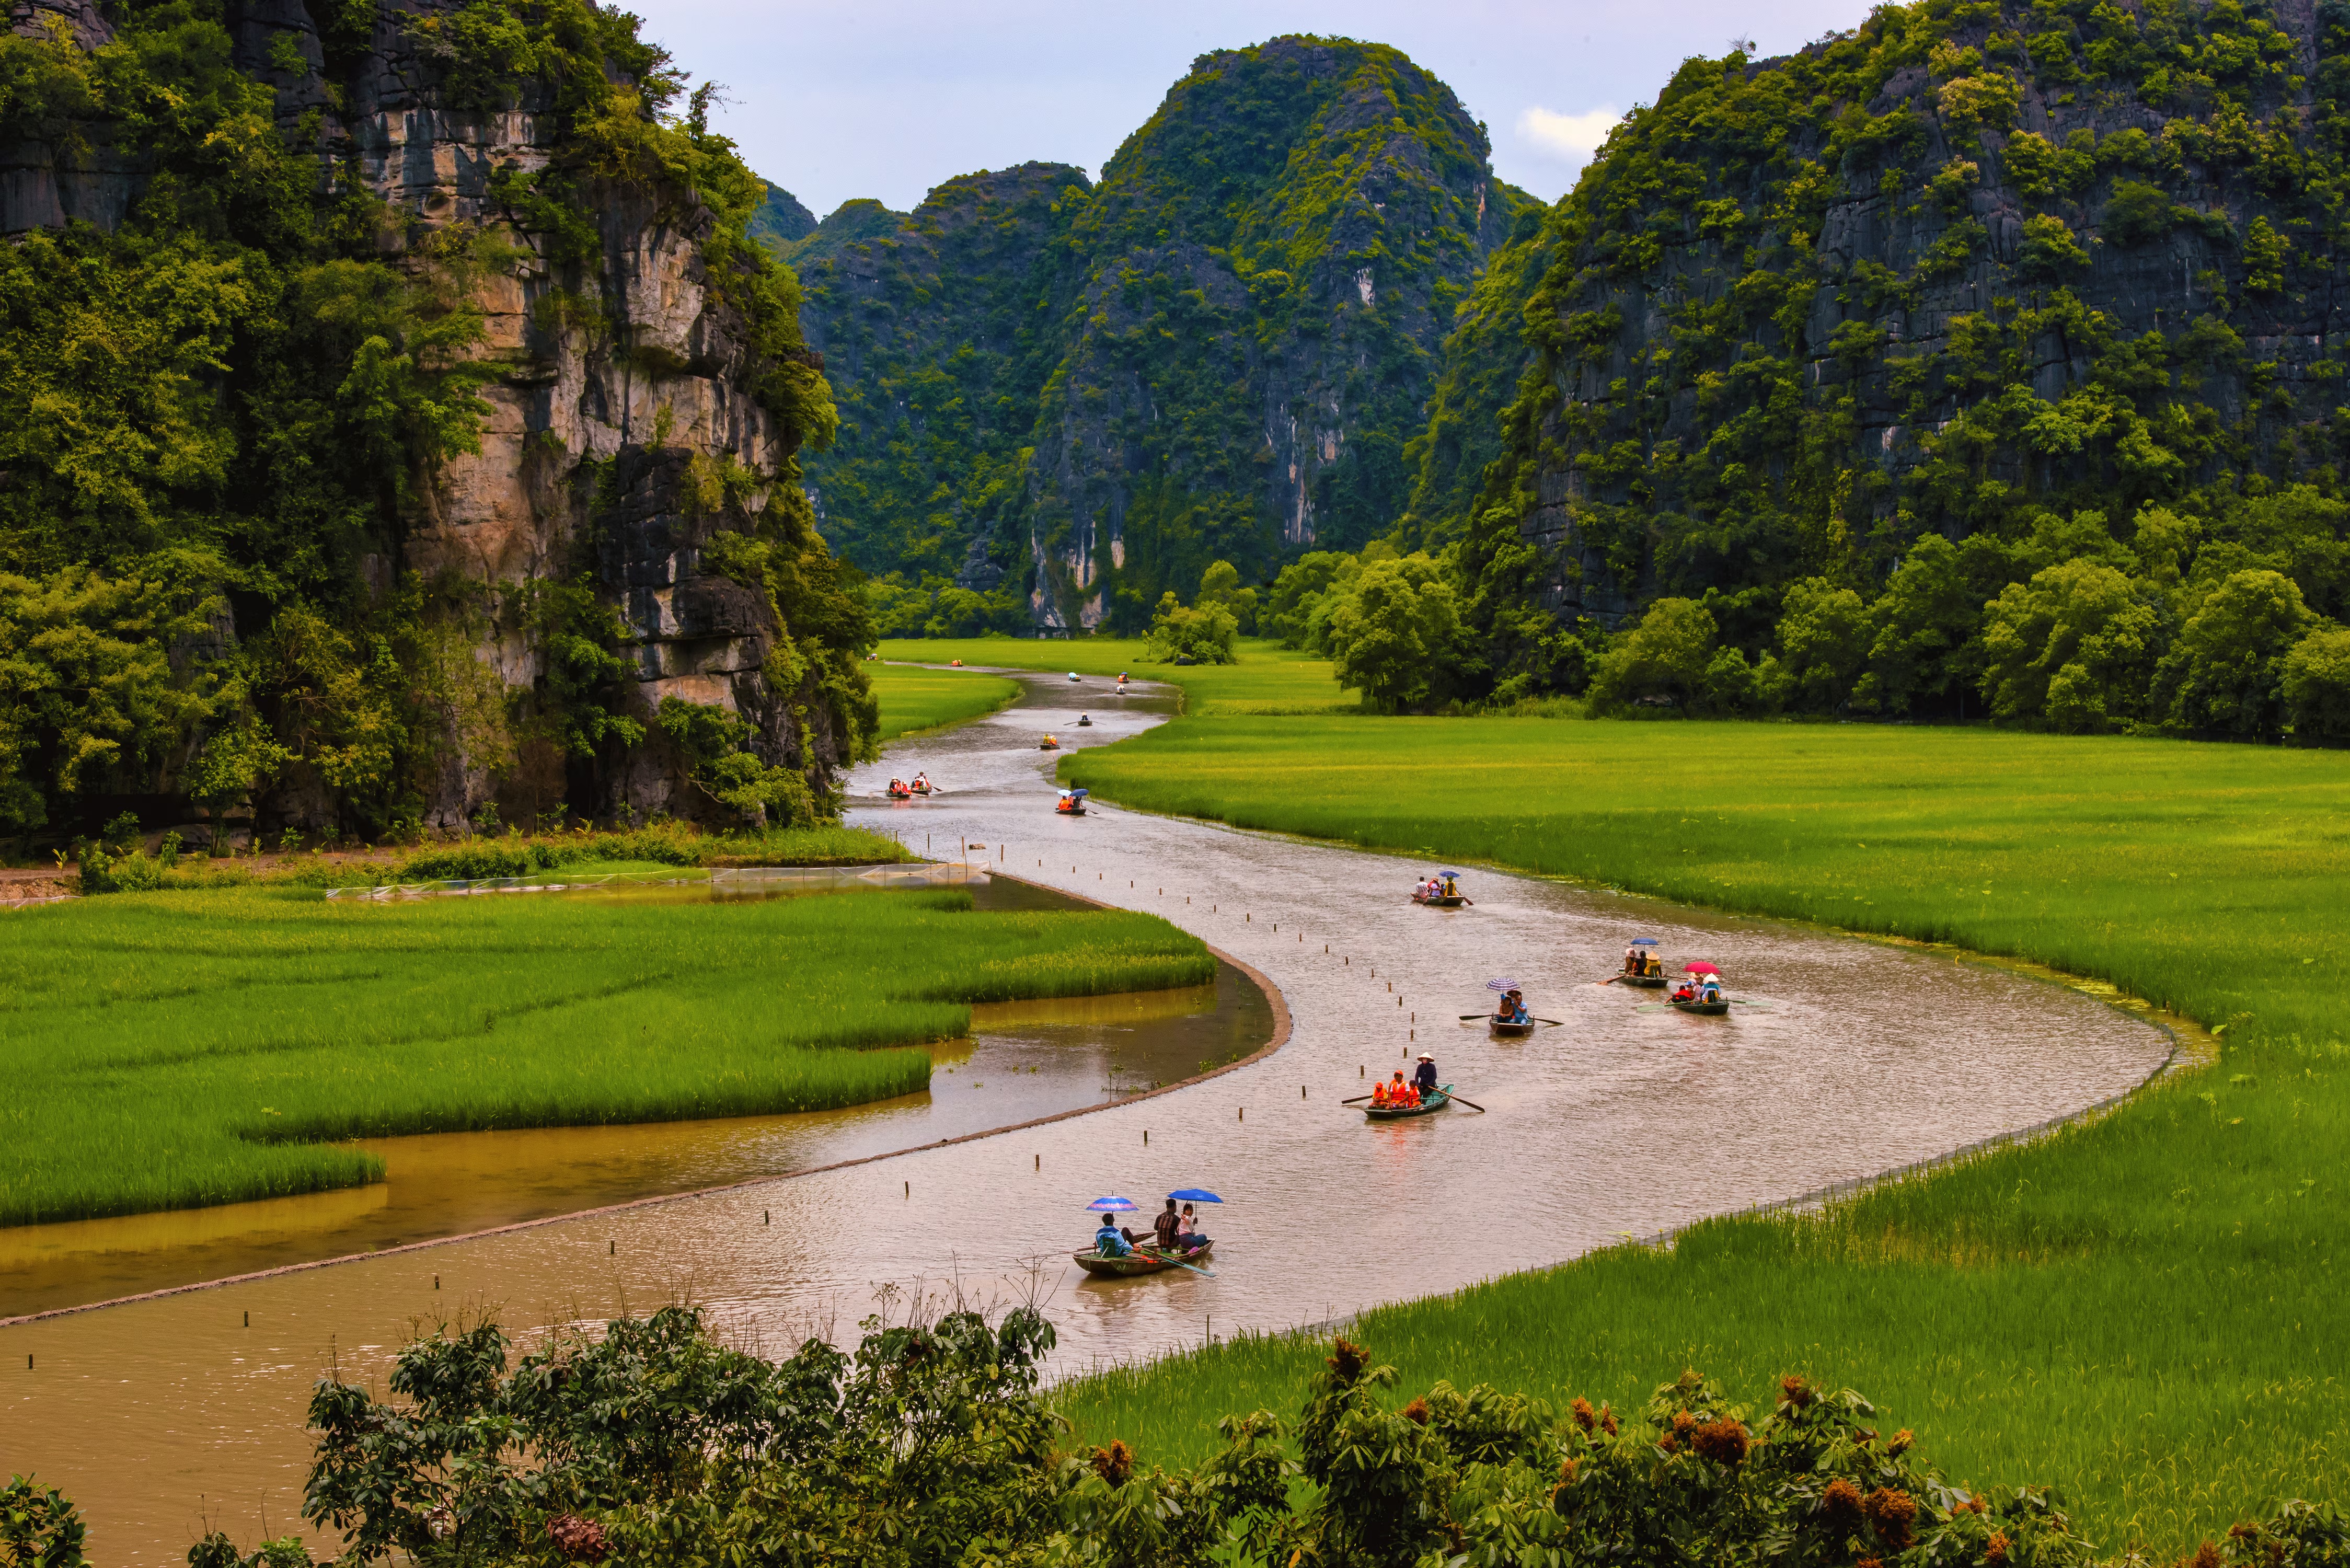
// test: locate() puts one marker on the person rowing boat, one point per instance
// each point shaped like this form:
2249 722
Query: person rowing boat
1423 1078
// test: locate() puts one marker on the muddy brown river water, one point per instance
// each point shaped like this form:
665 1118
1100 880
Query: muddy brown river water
164 1415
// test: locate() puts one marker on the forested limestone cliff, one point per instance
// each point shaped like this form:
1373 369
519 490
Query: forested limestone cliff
399 423
1077 396
2051 282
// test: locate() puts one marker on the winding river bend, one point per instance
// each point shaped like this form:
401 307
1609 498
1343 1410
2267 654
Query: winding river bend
168 1415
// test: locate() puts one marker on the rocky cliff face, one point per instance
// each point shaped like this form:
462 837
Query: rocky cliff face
1965 265
1219 351
631 411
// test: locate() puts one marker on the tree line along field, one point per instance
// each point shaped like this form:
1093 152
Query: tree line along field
181 1049
2139 1310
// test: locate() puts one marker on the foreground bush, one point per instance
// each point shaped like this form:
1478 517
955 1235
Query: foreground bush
931 1446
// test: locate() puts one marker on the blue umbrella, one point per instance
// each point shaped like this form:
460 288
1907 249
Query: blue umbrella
1503 985
1644 941
1453 873
1194 1195
1112 1206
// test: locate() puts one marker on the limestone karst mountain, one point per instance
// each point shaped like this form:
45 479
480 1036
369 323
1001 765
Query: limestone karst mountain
403 424
1077 395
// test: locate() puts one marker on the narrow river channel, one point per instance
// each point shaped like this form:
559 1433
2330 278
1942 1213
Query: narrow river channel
164 1415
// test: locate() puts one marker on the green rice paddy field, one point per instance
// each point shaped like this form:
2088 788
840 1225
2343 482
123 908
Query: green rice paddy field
2145 1310
1269 678
177 1048
914 699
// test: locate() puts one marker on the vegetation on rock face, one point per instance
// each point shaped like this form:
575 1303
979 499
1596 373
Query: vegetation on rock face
1063 401
2049 283
232 397
932 1445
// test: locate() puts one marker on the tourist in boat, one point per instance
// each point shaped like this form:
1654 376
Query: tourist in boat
1514 1008
1424 1077
1685 991
1399 1095
1189 1236
1380 1096
1168 1229
922 781
1635 962
1109 1241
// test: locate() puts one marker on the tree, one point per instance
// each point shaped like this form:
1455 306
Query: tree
1220 585
1823 638
1395 633
1666 655
2075 646
1201 635
2317 684
1927 612
2226 671
1297 590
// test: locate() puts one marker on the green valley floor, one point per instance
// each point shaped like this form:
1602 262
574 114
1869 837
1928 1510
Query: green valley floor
2140 1310
177 1048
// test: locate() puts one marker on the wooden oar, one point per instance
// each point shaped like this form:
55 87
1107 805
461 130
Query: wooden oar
1553 1022
1472 1017
1470 1104
1181 1264
1355 1100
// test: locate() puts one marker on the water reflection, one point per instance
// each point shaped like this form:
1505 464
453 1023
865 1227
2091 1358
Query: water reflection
1619 1121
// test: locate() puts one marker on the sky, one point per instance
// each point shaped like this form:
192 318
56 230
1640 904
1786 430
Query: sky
887 99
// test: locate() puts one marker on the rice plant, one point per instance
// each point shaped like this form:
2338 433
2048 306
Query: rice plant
915 699
2140 1310
174 1049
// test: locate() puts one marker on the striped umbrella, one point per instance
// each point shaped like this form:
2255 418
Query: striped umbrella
1503 985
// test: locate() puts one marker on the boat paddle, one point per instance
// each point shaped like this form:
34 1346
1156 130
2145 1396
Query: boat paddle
1470 1104
1353 1100
1553 1022
1472 1017
1181 1264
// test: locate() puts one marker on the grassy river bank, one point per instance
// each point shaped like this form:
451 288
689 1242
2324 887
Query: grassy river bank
178 1049
2140 1310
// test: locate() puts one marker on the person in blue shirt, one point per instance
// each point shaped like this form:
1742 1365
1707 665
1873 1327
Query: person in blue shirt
1109 1241
1424 1077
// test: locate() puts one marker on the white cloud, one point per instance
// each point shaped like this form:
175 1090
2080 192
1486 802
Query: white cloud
1573 138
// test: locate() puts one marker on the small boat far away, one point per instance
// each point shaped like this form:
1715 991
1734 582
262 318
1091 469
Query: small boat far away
1701 992
1049 743
1509 1020
1435 1100
1071 804
1085 722
1442 891
1642 967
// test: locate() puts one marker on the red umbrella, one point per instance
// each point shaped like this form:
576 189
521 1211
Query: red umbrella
1700 967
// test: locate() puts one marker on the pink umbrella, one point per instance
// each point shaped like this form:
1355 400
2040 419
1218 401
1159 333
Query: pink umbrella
1700 967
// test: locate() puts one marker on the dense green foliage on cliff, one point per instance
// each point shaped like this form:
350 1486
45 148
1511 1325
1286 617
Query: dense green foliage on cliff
1975 360
1078 397
225 411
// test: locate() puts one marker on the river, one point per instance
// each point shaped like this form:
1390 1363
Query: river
168 1415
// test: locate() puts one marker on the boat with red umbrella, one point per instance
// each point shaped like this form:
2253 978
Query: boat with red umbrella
1701 992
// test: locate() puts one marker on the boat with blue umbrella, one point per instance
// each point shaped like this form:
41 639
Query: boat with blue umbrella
1509 1020
1441 891
1144 1257
1642 967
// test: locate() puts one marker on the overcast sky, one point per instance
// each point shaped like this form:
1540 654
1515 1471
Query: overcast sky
888 98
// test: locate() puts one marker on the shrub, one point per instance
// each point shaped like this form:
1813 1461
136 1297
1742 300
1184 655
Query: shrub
2317 684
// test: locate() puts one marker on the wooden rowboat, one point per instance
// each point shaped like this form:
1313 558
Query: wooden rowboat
1435 1102
1703 1009
1143 1260
1645 981
1438 901
1502 1029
